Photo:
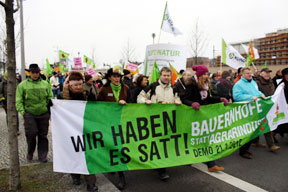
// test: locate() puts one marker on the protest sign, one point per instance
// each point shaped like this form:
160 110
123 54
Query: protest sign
91 71
77 62
95 137
164 54
132 68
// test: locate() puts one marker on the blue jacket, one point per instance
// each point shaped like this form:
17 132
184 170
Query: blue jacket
244 90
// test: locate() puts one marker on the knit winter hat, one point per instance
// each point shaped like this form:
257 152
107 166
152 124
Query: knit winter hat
200 70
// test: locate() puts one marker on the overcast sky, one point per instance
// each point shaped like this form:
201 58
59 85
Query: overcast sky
105 26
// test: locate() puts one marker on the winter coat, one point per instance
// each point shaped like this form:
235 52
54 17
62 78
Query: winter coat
106 93
33 96
67 95
61 81
91 89
180 87
192 94
158 92
277 77
127 81
213 87
224 88
244 90
134 93
3 91
54 83
265 86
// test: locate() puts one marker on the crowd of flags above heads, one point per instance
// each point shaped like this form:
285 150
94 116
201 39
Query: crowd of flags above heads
59 67
230 56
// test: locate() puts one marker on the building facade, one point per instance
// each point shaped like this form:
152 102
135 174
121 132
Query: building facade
273 48
198 61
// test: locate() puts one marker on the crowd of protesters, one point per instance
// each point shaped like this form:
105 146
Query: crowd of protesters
33 99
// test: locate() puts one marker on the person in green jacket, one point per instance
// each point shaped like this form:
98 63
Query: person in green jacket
33 97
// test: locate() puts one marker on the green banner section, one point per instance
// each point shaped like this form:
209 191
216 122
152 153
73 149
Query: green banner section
139 136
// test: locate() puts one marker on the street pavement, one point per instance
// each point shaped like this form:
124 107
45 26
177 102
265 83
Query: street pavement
267 171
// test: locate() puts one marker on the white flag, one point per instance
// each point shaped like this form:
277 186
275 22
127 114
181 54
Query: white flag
245 47
231 57
168 25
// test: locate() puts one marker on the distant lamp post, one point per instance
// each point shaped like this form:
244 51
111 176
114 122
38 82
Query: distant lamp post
23 74
153 36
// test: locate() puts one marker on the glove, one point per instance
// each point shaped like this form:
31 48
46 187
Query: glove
50 103
196 105
224 100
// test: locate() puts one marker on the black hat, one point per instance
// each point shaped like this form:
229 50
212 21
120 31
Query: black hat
34 68
285 71
266 70
126 72
116 70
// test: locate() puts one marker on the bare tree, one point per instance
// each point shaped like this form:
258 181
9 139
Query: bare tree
128 52
198 42
3 40
14 176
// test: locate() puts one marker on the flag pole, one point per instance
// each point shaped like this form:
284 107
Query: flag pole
162 22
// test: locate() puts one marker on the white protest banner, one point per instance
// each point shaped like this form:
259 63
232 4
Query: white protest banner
164 54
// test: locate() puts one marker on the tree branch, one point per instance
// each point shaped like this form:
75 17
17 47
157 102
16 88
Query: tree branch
18 6
4 5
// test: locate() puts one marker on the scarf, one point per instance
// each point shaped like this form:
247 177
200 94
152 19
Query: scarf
116 90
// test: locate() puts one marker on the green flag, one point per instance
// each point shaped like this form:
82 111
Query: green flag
87 60
62 68
265 65
155 74
48 70
249 60
63 55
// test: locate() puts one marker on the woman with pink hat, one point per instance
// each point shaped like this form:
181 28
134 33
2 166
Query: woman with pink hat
197 94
